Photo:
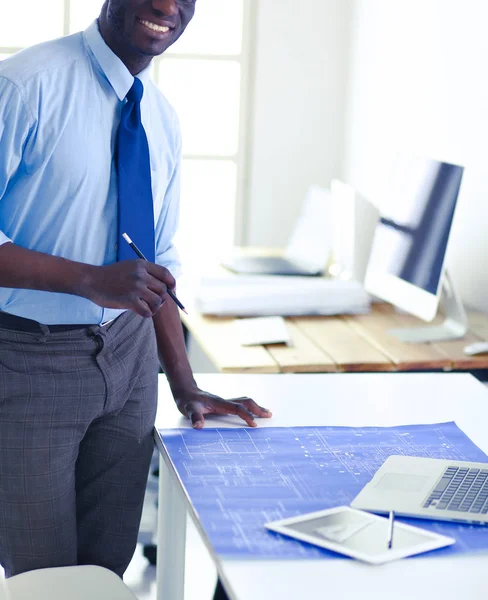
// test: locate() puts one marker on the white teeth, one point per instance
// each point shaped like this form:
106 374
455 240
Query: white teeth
155 27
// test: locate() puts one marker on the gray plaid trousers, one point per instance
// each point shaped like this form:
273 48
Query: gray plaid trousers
77 411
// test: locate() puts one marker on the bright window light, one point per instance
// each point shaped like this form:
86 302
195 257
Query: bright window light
82 13
30 21
208 199
216 28
206 96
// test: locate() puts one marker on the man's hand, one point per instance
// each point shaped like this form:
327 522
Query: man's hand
138 285
197 403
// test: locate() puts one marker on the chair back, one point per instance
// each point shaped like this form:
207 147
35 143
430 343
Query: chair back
4 593
84 582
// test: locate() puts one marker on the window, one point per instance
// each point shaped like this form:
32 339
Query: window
205 76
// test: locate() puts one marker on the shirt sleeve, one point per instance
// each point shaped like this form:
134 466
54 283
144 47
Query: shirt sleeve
15 127
167 225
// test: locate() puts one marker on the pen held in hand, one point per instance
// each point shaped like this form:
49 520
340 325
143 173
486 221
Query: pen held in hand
141 255
390 529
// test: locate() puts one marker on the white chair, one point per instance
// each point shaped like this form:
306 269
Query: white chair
84 582
4 595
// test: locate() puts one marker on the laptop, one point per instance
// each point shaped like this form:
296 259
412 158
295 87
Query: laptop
268 265
428 488
308 249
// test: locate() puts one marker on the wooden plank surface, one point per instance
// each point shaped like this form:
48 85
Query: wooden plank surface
303 356
478 331
337 344
343 344
454 351
406 357
218 339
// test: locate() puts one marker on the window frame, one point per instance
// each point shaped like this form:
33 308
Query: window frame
241 158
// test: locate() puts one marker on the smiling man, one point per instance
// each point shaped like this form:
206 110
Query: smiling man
89 149
138 31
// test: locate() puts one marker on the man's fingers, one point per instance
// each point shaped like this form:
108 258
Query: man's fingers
148 304
156 286
244 407
254 408
141 308
152 300
196 417
162 274
245 414
228 407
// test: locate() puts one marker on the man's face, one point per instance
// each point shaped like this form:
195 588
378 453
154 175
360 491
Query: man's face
148 27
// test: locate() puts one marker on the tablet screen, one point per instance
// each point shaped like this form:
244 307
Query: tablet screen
360 534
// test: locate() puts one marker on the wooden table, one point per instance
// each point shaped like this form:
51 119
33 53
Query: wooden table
357 343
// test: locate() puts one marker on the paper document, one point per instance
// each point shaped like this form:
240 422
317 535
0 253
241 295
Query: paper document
270 295
262 330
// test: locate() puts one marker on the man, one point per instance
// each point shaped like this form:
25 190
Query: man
84 146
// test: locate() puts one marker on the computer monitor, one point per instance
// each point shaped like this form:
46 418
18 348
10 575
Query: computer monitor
407 262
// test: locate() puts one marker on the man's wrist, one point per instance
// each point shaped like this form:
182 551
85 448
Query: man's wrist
84 285
182 386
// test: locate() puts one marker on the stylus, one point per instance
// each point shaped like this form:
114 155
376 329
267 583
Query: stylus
390 529
141 255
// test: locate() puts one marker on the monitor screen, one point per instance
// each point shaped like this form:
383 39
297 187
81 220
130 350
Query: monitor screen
411 236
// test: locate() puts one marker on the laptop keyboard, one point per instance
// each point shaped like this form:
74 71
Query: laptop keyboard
461 489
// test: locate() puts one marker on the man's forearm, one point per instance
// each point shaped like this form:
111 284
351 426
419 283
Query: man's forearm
26 269
136 285
172 349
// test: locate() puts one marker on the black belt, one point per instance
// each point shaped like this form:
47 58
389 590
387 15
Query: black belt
8 321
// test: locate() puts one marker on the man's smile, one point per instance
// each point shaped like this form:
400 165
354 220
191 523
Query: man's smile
154 28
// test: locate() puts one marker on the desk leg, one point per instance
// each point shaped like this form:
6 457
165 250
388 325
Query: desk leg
170 574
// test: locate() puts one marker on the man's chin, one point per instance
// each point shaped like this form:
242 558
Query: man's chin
151 49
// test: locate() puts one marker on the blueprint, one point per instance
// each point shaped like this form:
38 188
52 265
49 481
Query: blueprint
239 479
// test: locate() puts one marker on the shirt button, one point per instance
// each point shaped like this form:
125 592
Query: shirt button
116 247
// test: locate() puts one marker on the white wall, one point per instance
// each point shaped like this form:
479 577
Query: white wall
418 81
298 109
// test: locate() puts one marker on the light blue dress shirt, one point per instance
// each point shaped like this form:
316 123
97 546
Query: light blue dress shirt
60 105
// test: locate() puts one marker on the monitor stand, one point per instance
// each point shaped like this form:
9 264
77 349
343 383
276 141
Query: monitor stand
455 324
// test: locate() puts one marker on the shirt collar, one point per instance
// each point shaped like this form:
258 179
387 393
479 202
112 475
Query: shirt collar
115 71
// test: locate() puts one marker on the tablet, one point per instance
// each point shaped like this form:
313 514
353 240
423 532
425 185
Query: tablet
360 534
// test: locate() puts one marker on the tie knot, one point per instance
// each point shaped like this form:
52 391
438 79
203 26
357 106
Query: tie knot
136 91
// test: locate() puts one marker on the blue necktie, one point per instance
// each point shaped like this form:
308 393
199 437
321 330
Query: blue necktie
136 216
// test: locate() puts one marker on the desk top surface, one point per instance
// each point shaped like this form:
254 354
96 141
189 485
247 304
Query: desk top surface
372 399
350 343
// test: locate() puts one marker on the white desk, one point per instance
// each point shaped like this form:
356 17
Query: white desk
378 399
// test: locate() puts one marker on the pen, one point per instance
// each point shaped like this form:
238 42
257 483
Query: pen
141 255
390 529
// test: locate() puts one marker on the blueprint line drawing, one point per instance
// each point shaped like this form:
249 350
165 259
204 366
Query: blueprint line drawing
239 479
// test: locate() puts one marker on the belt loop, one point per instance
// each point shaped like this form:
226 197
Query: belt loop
43 334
